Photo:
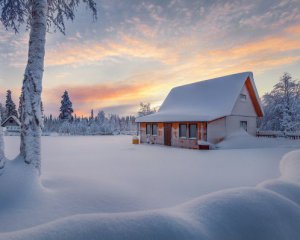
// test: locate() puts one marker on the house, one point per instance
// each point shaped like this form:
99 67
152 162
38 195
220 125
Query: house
11 125
199 114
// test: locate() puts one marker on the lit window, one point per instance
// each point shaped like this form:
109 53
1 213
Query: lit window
243 97
182 130
193 131
154 129
148 128
243 125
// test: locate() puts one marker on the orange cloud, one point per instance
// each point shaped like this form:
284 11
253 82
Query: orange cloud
294 30
91 52
131 91
257 56
268 45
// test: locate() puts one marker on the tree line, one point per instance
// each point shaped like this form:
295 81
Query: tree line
281 113
69 124
282 106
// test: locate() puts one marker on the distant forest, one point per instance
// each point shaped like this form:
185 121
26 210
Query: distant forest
281 113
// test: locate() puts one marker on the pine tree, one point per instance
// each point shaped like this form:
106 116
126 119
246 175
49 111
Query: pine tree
10 106
2 156
101 117
92 115
66 109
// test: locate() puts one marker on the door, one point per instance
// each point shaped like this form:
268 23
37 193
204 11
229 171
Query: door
167 133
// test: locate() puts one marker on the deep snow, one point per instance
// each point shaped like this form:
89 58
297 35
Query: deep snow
106 188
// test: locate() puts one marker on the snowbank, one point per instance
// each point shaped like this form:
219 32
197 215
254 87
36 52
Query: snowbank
242 139
270 210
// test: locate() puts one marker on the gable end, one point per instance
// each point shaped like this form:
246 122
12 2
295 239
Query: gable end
253 97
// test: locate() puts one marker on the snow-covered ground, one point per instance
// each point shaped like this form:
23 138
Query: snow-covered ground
104 187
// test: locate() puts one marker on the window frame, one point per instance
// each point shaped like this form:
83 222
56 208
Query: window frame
242 124
152 129
148 132
180 133
196 130
243 97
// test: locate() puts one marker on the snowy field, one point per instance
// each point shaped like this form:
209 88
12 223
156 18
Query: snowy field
104 187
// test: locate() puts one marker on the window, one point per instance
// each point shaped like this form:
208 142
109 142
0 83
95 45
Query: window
182 130
193 131
243 124
243 97
154 129
148 128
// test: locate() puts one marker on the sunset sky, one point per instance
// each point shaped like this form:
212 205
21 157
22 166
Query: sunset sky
138 50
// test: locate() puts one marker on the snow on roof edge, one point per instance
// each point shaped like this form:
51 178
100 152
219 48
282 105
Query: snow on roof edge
11 116
162 116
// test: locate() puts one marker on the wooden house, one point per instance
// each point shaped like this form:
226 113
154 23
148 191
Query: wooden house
203 113
11 125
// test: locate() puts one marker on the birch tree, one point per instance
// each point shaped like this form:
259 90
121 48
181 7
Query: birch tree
39 16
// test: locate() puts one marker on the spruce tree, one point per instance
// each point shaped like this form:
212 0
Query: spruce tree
66 109
10 106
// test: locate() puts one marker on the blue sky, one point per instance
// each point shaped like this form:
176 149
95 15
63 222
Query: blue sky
138 50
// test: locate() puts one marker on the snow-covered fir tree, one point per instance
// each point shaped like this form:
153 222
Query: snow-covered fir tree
2 156
10 106
92 115
282 106
66 108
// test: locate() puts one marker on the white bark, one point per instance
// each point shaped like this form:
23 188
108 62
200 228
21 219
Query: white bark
31 116
2 156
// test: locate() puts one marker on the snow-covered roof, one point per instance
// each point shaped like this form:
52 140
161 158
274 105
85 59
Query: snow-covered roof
203 101
14 118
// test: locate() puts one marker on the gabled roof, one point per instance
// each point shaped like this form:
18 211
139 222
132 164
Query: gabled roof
205 100
14 118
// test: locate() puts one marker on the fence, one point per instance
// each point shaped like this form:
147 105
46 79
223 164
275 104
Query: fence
278 134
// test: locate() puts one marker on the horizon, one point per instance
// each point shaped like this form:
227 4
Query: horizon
137 51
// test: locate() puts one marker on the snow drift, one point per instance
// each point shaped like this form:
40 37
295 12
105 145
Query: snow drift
241 139
271 210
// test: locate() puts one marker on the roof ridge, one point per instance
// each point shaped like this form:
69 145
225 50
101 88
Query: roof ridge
215 78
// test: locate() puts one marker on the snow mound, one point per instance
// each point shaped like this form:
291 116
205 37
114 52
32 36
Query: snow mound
19 183
241 139
269 211
290 166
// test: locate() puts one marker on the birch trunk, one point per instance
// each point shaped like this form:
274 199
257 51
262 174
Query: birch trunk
2 156
31 116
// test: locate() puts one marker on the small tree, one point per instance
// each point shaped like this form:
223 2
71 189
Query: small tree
10 106
145 109
66 109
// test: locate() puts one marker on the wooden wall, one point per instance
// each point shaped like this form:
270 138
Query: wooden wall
176 141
